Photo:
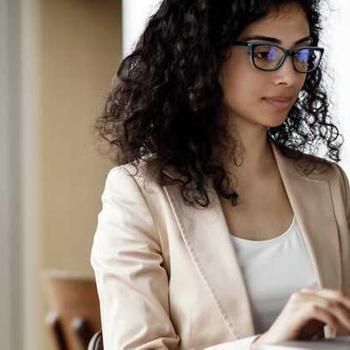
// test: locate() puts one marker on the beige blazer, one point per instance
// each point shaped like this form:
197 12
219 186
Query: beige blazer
168 276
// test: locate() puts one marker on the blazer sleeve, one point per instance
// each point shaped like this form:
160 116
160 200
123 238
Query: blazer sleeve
345 188
131 282
346 191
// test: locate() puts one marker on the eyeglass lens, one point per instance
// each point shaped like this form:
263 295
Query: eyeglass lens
269 57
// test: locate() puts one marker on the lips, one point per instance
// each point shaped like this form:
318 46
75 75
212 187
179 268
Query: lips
279 99
279 102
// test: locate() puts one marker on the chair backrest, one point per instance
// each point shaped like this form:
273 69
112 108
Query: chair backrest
74 314
96 342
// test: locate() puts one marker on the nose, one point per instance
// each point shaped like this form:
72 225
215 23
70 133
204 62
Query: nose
286 74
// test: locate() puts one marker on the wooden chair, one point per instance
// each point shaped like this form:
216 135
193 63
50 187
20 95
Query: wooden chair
74 314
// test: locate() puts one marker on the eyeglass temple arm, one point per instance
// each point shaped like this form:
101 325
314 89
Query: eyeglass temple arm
242 43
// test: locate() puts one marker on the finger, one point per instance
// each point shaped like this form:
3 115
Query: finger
333 306
319 313
331 294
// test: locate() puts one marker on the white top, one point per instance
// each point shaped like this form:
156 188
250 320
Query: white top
273 269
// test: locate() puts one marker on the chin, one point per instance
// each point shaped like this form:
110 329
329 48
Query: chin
275 119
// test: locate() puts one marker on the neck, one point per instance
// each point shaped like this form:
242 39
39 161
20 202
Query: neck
258 159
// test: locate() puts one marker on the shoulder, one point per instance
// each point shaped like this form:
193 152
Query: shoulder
314 167
119 177
147 173
128 171
130 177
319 169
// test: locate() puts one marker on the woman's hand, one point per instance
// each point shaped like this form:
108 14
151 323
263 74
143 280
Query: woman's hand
305 314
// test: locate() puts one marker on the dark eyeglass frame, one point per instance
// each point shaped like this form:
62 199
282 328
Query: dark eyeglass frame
253 44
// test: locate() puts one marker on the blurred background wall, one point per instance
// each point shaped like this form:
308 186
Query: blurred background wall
79 49
73 48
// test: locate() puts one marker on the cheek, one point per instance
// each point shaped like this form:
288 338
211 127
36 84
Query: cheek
241 83
302 82
243 87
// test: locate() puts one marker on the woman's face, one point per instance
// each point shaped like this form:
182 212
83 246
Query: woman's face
245 87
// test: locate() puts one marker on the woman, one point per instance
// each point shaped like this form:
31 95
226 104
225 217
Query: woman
219 228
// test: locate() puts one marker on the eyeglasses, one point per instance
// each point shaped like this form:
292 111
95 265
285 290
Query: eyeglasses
270 57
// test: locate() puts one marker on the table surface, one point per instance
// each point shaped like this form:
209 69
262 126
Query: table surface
338 343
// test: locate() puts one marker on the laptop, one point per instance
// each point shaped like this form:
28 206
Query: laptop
337 343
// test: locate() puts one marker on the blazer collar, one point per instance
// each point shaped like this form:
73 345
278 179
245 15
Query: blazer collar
207 238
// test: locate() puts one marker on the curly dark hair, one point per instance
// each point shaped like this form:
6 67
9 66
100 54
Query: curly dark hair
166 104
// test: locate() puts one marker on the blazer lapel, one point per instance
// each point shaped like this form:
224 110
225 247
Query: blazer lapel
311 201
207 238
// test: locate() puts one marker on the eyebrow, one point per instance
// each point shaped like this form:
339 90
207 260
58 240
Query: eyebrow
274 40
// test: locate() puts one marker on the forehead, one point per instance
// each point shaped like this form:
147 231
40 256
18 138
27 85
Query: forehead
288 24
